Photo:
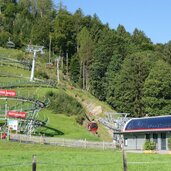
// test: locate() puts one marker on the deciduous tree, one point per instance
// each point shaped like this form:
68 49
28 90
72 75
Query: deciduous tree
157 90
85 53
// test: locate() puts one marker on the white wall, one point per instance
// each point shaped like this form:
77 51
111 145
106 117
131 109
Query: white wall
136 141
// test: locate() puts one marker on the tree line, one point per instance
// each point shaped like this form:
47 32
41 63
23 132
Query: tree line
128 71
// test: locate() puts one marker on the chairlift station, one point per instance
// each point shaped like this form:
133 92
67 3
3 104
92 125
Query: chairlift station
132 133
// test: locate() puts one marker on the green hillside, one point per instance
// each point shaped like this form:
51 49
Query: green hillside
127 70
62 124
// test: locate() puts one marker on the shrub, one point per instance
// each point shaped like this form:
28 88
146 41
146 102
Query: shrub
42 74
63 103
4 36
149 145
80 119
50 94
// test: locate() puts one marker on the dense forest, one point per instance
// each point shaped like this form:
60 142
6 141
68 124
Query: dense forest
128 71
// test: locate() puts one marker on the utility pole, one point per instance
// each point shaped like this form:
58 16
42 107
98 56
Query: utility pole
83 75
67 64
62 62
125 167
6 108
50 43
57 69
35 7
33 66
33 163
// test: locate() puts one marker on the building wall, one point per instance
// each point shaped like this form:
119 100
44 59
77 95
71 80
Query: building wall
136 141
168 136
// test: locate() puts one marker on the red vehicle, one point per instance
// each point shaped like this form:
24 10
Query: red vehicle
93 127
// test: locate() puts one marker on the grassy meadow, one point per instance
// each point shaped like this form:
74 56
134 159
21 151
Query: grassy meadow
18 157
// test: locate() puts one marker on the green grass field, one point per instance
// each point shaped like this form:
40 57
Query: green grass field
18 157
67 125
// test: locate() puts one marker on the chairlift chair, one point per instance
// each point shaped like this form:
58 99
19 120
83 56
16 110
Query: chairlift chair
10 44
49 65
93 127
32 48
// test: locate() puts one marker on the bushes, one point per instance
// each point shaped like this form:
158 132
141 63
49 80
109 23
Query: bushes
80 119
63 103
149 145
41 74
4 36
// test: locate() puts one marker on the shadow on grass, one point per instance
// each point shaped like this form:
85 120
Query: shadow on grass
49 131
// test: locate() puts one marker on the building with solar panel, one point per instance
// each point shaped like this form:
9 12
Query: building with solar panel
139 130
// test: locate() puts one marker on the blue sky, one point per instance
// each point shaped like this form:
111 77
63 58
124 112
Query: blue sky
151 16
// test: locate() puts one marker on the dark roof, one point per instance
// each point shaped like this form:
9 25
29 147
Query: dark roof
148 124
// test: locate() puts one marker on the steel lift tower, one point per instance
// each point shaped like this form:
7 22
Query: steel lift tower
35 49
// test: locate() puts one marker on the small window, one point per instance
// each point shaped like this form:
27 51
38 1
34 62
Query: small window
147 137
155 138
125 141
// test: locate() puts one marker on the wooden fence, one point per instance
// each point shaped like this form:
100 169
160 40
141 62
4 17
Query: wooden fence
62 142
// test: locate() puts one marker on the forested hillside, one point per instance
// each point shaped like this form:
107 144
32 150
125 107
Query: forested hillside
126 70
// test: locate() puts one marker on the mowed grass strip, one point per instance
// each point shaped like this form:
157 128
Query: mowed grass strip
149 162
18 157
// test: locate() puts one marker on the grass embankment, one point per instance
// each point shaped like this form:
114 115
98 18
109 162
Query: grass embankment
18 157
67 125
87 100
85 96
